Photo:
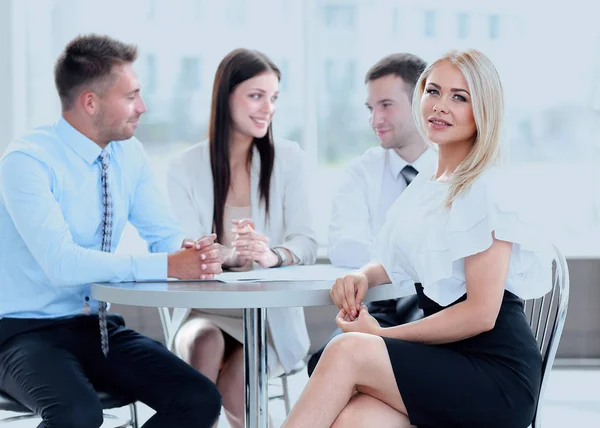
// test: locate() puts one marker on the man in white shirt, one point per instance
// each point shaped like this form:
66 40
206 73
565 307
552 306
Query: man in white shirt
374 180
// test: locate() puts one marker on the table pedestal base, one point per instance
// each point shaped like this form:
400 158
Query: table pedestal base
255 368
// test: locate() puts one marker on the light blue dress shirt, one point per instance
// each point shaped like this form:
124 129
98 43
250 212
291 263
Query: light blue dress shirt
51 215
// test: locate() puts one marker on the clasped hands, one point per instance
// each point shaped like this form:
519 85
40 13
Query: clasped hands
347 294
248 245
204 258
199 259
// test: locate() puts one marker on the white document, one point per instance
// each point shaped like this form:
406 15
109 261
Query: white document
287 273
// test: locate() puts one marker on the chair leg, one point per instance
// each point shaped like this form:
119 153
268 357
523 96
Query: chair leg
286 394
134 415
125 424
12 419
132 422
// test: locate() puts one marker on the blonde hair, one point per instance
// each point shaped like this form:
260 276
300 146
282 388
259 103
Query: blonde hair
488 110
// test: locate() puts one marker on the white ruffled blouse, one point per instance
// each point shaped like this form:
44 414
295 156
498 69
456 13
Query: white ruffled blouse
422 241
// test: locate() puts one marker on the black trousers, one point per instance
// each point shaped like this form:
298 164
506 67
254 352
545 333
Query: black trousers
389 313
55 367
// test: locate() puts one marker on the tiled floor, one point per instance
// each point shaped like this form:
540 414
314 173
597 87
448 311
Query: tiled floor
572 400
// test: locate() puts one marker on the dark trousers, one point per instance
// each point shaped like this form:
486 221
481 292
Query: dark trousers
389 313
55 367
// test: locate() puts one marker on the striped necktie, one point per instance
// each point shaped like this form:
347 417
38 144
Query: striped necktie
107 215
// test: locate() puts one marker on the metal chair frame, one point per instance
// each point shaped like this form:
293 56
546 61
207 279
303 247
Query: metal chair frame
546 316
7 403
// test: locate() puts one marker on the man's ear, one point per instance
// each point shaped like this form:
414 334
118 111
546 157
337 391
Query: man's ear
89 102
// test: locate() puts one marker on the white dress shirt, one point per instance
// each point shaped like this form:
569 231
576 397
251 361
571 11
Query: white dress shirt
423 241
371 184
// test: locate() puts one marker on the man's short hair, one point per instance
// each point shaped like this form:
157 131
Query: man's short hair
404 65
88 60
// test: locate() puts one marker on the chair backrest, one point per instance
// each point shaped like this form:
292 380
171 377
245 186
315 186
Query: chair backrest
546 317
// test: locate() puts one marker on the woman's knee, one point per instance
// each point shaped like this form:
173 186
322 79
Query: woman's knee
359 346
199 338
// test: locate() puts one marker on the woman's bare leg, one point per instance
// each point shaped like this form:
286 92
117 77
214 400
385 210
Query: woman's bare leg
202 345
231 386
364 411
351 361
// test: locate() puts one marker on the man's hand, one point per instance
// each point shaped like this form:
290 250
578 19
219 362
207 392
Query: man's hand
210 251
201 259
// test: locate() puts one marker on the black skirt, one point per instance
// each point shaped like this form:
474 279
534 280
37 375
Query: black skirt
491 380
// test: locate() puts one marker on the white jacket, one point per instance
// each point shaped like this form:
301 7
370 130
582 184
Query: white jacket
290 225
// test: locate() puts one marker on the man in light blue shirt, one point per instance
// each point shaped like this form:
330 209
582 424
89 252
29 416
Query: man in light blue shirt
66 193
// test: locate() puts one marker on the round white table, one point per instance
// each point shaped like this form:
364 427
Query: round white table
253 298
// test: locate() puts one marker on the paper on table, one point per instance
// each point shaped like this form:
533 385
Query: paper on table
142 281
288 273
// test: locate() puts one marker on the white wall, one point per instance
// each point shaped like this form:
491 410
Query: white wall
6 113
13 79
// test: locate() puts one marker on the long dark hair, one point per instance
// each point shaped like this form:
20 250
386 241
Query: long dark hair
239 65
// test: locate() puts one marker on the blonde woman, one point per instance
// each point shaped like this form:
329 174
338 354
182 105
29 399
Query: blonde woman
460 235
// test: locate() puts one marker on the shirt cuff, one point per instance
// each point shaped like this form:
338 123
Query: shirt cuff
151 267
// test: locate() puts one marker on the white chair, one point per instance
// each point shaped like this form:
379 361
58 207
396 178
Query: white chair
169 325
546 317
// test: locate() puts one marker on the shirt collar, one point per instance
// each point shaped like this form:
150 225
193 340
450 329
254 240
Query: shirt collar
396 163
426 161
79 143
423 162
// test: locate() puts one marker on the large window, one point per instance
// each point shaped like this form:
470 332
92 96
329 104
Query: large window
340 15
550 69
463 25
494 26
429 23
